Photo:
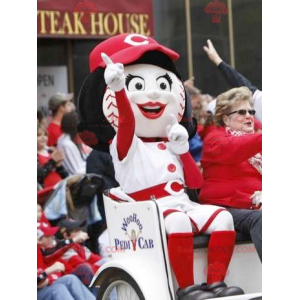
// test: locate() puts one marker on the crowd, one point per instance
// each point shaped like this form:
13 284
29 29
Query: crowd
65 264
71 244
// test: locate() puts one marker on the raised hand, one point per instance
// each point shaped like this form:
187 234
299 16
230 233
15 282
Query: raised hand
178 137
212 53
58 156
80 237
114 74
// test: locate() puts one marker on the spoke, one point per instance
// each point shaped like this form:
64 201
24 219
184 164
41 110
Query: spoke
122 289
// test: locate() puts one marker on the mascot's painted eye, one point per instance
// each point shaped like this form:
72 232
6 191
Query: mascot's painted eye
213 8
134 83
219 8
164 82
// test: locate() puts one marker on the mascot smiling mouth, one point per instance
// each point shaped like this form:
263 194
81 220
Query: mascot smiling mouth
152 110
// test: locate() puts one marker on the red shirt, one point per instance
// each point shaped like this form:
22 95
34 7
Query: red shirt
53 177
204 131
229 179
41 266
78 255
54 132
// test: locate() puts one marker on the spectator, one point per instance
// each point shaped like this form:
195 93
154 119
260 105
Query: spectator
49 165
41 216
197 105
59 105
50 284
234 78
70 144
100 163
196 99
83 262
208 126
232 163
41 119
49 247
67 287
195 148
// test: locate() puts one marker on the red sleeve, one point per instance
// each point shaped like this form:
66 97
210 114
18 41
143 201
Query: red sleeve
126 124
223 148
43 218
192 175
54 132
53 277
75 260
257 125
52 257
41 268
40 260
94 258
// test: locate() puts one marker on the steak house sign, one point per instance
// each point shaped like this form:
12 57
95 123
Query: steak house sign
92 19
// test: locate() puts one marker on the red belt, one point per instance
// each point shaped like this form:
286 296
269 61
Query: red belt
157 191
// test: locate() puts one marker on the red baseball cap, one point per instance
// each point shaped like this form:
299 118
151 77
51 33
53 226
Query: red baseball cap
43 229
127 48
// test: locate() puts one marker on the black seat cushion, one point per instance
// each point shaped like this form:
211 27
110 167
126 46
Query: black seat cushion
201 241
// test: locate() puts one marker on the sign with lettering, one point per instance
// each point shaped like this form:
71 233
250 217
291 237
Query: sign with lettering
50 80
93 19
132 226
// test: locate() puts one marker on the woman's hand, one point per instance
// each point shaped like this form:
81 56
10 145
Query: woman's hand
212 53
257 198
80 237
114 74
58 156
43 284
56 267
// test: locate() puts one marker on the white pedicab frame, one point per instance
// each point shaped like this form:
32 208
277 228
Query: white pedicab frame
140 263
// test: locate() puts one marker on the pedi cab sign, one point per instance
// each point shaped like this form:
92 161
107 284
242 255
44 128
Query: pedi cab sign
93 19
132 227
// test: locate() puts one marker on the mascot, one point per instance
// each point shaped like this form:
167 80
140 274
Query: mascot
135 105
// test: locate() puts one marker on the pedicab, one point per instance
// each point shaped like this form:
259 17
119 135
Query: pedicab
139 268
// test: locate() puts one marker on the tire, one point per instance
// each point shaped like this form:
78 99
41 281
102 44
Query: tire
118 282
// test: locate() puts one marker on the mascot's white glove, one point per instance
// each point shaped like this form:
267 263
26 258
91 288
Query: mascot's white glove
178 137
256 198
114 74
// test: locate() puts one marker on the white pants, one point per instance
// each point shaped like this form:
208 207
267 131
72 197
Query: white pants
180 222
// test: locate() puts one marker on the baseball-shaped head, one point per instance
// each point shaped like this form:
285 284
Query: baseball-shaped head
154 93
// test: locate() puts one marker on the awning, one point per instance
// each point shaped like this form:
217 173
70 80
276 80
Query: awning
93 19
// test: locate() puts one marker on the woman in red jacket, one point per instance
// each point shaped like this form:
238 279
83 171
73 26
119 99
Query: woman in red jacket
232 163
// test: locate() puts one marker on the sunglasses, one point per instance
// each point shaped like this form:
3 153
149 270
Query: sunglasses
243 112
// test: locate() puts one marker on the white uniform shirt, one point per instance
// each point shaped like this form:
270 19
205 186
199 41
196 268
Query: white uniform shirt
150 164
146 165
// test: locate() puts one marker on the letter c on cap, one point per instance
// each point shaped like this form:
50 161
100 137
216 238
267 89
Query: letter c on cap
129 40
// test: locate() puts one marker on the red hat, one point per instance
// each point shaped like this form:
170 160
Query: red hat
127 48
43 229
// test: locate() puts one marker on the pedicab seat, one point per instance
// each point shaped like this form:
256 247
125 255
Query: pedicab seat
201 241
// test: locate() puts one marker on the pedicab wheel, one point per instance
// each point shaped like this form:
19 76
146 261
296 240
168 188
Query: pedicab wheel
119 285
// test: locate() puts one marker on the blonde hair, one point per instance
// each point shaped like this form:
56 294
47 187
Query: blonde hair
226 100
